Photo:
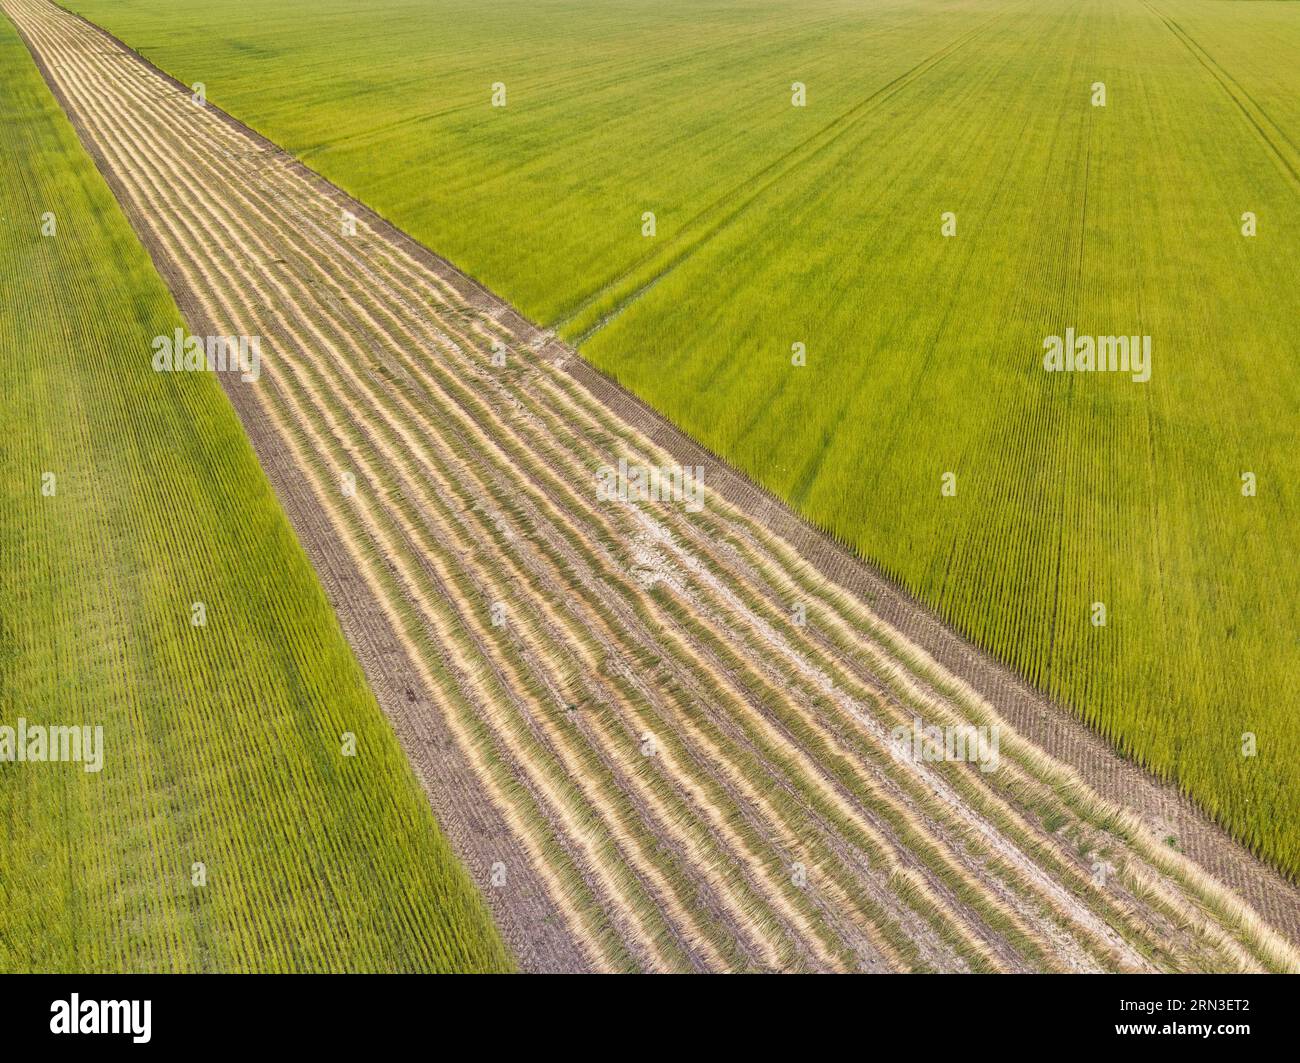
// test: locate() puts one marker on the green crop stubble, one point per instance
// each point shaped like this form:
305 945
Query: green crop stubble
221 743
821 225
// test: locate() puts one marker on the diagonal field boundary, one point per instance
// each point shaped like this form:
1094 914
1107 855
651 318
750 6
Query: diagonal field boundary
536 919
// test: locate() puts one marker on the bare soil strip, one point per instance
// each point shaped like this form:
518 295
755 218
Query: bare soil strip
642 757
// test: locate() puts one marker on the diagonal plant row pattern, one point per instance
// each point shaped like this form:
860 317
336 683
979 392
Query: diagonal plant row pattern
673 737
655 192
219 823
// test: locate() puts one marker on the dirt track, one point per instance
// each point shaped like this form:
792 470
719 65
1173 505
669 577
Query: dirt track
530 642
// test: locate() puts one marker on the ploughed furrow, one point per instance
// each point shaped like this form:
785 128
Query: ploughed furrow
677 745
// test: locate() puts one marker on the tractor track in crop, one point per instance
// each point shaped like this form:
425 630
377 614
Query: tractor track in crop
1270 134
588 316
643 763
